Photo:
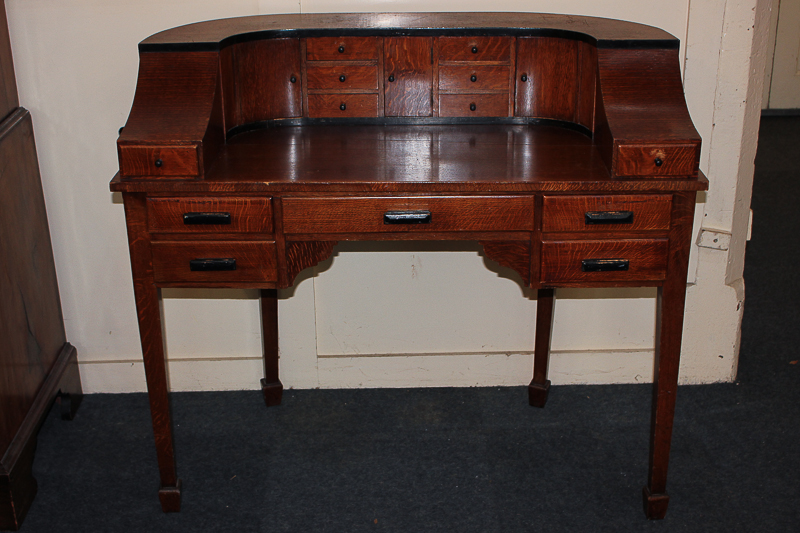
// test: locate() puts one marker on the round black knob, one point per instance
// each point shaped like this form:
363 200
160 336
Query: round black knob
658 162
293 79
120 130
159 163
473 78
524 78
342 78
391 77
474 49
342 106
341 49
472 106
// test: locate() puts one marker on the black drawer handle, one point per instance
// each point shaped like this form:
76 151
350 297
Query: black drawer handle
604 265
207 218
609 217
407 217
212 264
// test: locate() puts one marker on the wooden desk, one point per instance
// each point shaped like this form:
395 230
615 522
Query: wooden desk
562 144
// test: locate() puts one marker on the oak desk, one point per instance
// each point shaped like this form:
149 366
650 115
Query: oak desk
562 144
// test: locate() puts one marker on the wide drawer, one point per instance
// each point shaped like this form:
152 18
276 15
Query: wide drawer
473 78
473 105
341 48
657 160
407 214
606 213
604 260
342 105
205 215
345 77
474 48
214 262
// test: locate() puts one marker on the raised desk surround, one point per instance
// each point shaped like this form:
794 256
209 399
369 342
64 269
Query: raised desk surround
562 144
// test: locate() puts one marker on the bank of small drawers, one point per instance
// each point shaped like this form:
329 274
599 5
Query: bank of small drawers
474 76
632 244
342 77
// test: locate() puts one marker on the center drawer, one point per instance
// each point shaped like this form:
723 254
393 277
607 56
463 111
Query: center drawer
214 262
407 214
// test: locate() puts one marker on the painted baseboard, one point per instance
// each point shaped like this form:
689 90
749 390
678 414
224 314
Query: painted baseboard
377 371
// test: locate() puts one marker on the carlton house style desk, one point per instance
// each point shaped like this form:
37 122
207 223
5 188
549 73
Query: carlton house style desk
562 144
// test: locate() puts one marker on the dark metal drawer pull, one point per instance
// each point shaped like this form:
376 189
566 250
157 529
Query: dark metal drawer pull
212 265
407 217
207 218
609 217
604 265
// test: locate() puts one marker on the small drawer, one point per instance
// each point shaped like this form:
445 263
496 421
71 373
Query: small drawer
341 48
159 161
606 213
657 160
604 260
214 262
473 105
342 105
407 214
346 77
207 215
473 78
475 49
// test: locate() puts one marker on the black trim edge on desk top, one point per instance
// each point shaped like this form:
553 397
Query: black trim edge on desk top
403 121
633 44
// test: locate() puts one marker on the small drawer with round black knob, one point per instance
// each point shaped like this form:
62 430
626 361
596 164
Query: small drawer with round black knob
158 161
657 160
473 105
342 105
473 78
475 48
342 77
341 48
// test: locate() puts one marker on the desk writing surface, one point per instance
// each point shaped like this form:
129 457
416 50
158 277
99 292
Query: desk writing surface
424 158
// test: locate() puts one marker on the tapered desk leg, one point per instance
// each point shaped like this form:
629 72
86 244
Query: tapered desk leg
669 329
148 307
540 385
271 385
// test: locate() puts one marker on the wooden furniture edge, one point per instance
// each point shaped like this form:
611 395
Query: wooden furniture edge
17 485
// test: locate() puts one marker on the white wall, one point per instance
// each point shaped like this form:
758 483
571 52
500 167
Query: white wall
376 314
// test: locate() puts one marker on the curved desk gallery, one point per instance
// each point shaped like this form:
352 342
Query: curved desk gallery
562 144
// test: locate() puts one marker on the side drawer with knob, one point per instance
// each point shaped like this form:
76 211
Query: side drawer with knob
159 161
656 160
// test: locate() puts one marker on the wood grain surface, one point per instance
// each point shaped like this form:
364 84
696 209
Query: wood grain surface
408 61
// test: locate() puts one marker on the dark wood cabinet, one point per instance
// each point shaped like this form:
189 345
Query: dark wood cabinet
561 144
37 364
